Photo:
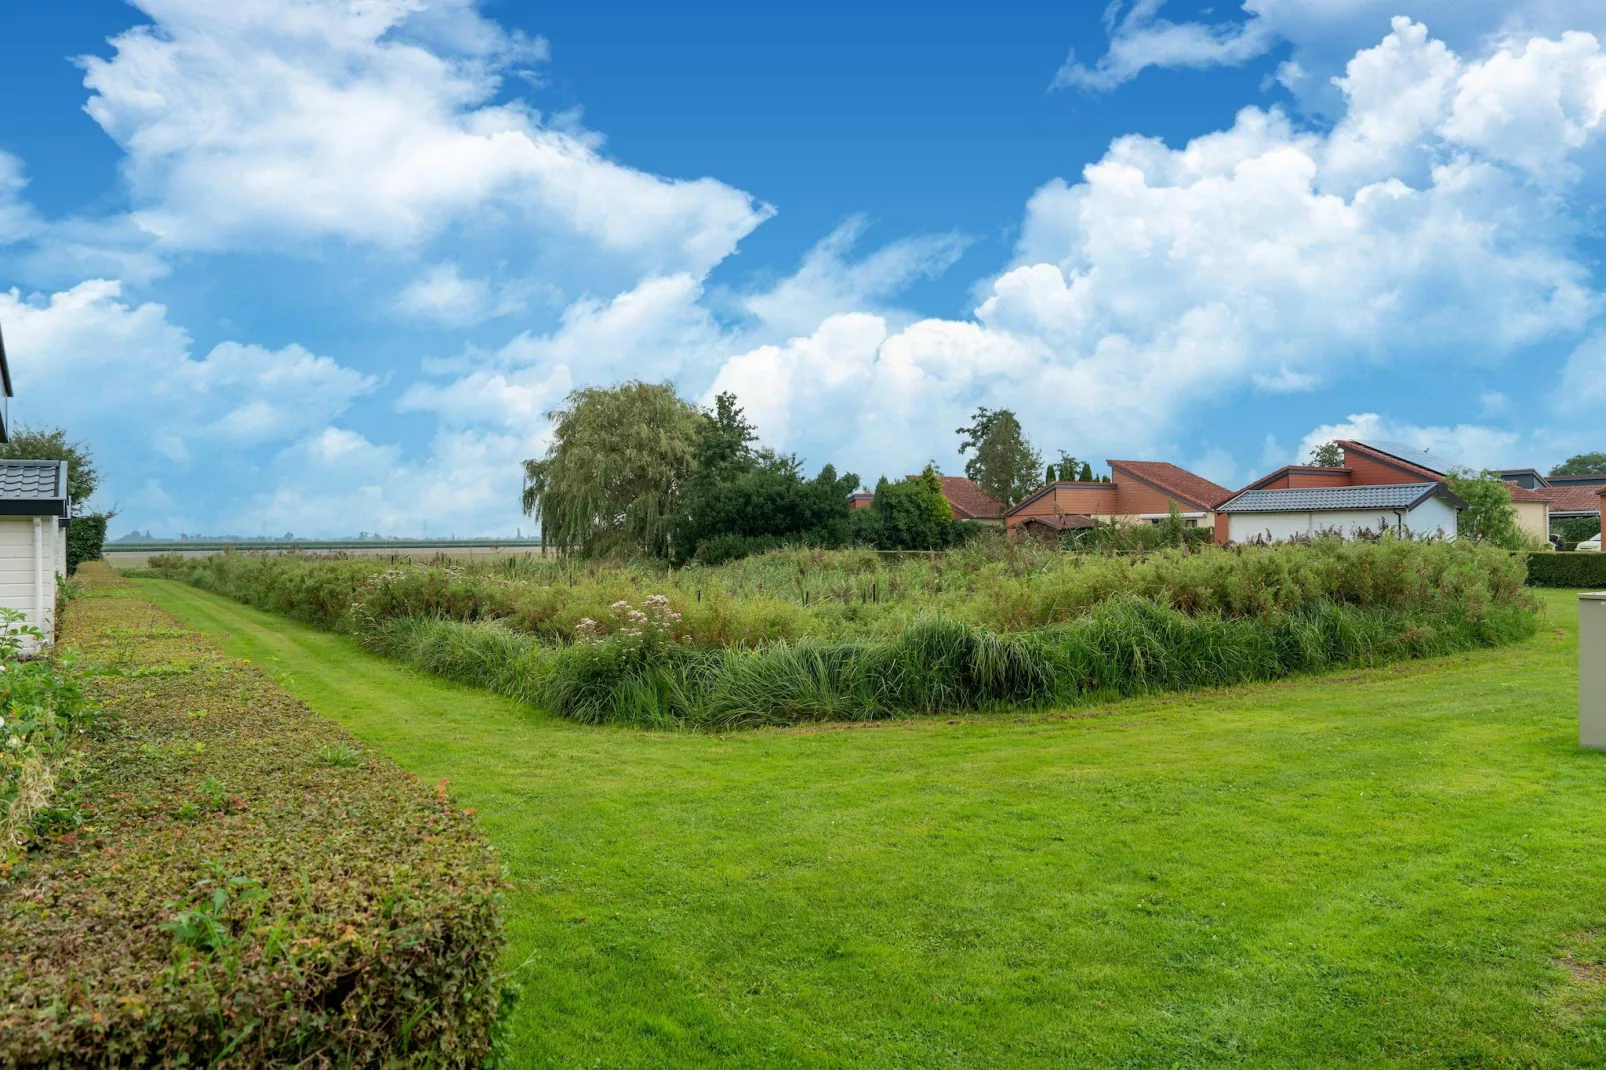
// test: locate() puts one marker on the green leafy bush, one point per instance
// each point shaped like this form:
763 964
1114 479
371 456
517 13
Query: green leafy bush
1576 529
1574 571
245 886
43 713
86 536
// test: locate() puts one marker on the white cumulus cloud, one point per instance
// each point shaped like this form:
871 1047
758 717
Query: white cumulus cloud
1322 33
112 370
255 123
1266 256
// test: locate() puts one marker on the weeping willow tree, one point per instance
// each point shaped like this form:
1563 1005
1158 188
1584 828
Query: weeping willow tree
610 482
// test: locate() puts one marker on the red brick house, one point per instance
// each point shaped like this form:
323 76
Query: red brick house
1138 492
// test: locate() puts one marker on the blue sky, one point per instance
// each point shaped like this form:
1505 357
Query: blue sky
321 266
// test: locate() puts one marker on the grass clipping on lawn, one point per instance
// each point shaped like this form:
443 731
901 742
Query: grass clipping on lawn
248 887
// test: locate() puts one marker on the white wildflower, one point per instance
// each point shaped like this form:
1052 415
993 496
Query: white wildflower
14 742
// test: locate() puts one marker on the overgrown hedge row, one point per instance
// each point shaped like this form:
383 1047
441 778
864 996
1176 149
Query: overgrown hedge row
234 881
1574 571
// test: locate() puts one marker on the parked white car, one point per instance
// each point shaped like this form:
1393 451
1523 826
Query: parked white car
1591 544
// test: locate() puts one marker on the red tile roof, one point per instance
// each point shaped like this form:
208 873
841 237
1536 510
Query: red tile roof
1523 494
1575 499
969 501
1177 482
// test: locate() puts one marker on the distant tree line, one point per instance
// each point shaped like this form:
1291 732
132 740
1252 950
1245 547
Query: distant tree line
636 469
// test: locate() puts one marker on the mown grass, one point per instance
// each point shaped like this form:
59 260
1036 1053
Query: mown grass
1397 867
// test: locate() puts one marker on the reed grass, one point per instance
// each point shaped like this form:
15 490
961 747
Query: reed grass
855 635
1125 647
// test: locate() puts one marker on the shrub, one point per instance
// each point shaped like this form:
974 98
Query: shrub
1576 529
246 887
1574 571
42 714
1490 517
725 548
86 536
909 514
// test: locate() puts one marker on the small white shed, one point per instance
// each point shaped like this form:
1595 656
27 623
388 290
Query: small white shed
1419 509
34 514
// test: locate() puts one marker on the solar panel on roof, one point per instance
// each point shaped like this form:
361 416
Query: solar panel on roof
1411 455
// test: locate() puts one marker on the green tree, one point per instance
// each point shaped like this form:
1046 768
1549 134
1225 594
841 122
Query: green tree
1582 464
50 444
610 482
1049 475
1087 473
724 443
739 499
1489 517
910 514
1004 465
1328 455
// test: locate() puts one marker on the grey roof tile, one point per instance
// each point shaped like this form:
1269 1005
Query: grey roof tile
1321 499
33 480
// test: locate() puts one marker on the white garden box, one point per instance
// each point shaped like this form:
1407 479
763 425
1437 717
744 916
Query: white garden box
1592 670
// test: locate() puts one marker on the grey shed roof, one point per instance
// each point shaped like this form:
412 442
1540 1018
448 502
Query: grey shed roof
33 488
1338 499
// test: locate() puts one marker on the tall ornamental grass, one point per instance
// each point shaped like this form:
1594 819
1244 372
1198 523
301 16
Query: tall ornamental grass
1126 646
796 636
790 596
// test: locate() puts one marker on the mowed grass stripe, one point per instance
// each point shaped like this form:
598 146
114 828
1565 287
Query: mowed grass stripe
1380 868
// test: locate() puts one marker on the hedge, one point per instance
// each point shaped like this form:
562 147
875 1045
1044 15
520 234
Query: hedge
234 881
1574 571
86 535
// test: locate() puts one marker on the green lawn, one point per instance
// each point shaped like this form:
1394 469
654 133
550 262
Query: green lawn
1398 867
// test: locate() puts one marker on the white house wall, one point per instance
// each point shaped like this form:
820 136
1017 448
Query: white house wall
17 587
1432 517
